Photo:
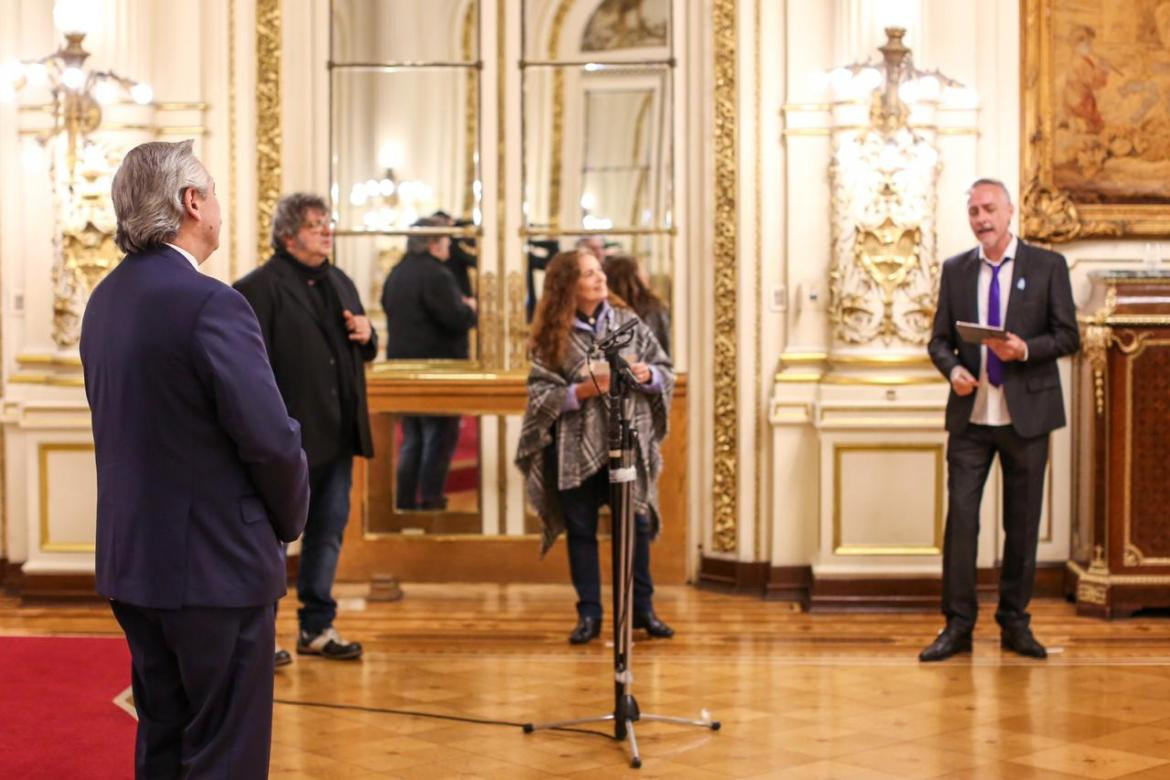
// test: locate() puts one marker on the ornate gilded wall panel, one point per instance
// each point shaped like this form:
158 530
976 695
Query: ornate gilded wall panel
725 482
268 134
884 270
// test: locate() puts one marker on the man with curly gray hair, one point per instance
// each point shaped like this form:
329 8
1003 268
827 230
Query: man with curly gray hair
319 340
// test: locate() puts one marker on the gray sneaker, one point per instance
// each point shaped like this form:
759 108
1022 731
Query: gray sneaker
328 644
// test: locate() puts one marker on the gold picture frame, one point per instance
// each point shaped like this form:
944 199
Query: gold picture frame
1091 140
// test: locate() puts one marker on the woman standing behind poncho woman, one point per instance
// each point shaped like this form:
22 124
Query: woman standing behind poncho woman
562 449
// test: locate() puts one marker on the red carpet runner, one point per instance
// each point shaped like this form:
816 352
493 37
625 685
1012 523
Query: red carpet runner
58 718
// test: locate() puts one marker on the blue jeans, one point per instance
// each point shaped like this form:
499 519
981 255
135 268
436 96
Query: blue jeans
580 505
428 444
329 486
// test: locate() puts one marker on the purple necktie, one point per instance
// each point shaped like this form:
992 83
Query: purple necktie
994 364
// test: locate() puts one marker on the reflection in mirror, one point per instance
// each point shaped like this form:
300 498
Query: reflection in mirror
566 29
650 254
597 147
617 182
395 163
401 150
453 329
425 475
387 31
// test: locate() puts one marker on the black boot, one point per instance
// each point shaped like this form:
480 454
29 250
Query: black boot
588 628
654 627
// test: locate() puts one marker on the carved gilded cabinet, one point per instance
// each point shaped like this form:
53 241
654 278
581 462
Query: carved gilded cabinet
1121 533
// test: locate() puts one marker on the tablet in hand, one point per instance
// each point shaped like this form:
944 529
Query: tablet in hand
974 333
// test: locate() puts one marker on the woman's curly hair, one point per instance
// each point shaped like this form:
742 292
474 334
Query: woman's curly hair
557 307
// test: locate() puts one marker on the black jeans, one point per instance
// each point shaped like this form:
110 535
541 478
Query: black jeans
580 505
428 444
1022 461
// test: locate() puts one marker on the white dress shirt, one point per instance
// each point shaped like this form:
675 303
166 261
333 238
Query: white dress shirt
190 257
990 403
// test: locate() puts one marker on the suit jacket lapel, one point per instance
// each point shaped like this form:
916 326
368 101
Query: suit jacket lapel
970 281
296 287
1016 293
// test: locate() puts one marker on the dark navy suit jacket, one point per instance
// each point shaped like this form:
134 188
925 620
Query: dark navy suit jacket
201 476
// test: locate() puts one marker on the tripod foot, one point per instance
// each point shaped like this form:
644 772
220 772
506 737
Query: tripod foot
529 728
636 763
715 725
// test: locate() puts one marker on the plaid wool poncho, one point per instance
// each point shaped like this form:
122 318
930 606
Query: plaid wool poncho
581 433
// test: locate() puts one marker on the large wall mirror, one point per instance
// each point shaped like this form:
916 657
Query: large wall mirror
598 111
404 145
594 114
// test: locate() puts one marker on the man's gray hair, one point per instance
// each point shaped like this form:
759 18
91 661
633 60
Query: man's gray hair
993 183
148 193
418 244
289 215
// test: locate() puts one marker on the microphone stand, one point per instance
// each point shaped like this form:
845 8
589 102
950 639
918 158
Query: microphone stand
622 440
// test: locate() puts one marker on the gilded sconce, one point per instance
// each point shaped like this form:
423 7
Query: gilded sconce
80 167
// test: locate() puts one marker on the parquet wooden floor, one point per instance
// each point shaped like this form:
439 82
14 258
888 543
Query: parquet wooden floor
800 696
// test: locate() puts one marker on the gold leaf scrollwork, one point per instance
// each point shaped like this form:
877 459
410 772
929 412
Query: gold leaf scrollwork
518 327
1096 338
1098 567
89 254
1092 593
1133 556
86 252
1049 214
489 320
268 133
1095 343
1130 342
883 276
725 478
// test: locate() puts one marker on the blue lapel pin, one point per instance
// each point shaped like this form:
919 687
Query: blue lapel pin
1020 284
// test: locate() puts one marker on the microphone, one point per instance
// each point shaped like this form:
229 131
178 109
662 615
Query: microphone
615 338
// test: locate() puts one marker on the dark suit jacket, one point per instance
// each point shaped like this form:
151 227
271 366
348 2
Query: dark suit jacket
425 313
301 359
1040 311
200 471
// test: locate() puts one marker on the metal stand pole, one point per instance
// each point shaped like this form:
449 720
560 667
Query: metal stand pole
622 441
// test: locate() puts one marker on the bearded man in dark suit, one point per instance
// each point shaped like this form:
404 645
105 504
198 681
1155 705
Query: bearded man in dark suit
1005 400
200 473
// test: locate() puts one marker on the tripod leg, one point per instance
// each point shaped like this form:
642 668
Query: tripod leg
635 758
707 723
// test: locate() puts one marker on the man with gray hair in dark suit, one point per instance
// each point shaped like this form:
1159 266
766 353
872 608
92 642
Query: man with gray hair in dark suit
200 473
1004 402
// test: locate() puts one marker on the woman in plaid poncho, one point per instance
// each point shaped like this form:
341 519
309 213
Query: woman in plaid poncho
562 448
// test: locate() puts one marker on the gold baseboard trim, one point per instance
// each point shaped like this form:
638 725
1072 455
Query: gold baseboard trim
882 550
52 380
48 359
1107 579
797 377
884 380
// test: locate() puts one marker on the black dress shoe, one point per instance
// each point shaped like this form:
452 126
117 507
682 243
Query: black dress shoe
654 627
1021 642
587 628
946 644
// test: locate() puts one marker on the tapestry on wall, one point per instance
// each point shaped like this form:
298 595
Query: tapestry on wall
1095 118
